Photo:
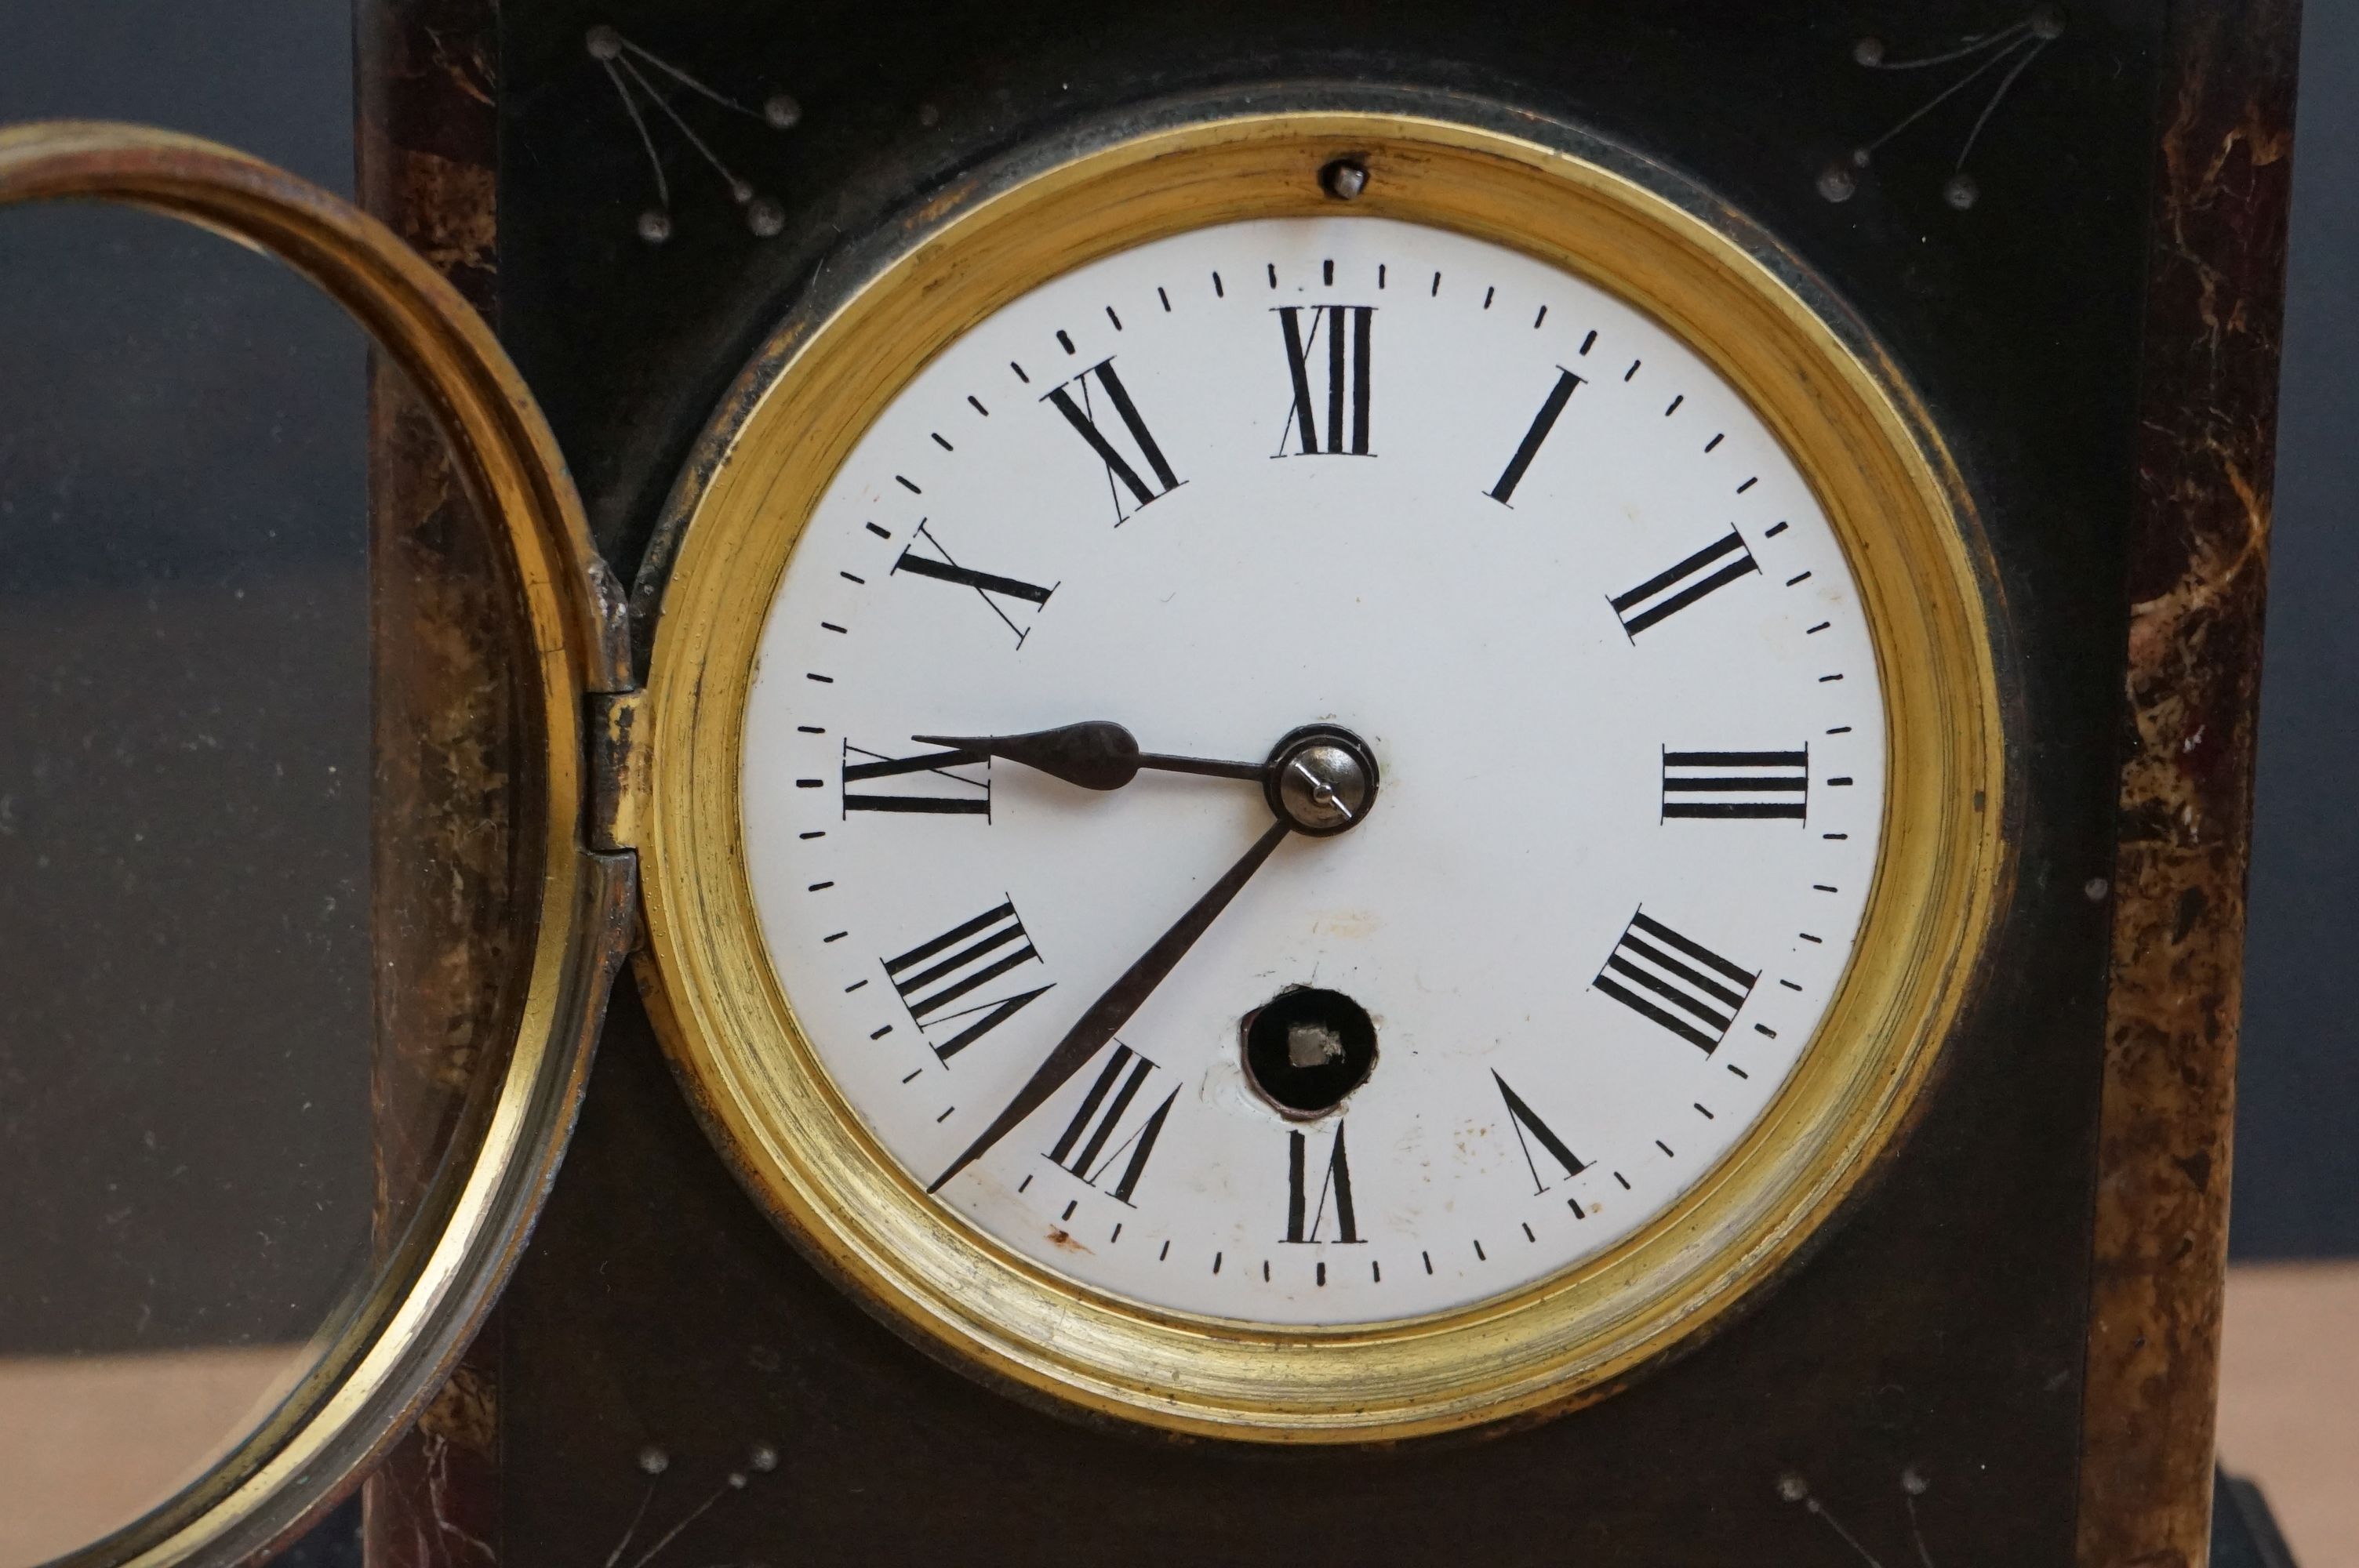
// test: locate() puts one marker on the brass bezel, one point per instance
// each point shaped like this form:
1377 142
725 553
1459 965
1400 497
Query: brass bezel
1552 192
396 1344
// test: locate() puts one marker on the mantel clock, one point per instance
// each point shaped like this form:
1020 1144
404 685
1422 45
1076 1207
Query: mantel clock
1379 782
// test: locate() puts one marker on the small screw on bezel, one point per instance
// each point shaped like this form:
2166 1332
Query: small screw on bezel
1345 179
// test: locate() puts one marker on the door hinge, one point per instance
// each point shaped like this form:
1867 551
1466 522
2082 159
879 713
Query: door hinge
618 771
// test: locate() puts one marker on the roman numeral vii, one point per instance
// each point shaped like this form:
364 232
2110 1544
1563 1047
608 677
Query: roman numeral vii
1668 979
1082 1148
1343 413
1134 464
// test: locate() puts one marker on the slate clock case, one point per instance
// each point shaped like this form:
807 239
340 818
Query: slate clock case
1968 1357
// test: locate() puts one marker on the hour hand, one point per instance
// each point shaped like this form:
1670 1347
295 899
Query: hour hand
1095 755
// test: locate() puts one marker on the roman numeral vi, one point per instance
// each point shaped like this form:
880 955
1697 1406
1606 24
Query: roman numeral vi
1303 1220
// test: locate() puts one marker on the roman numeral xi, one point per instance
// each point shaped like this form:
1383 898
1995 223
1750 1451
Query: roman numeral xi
1081 1148
1736 783
1342 412
936 975
1134 464
1667 979
1664 595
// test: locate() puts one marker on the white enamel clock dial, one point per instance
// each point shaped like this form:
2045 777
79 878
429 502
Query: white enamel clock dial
1515 536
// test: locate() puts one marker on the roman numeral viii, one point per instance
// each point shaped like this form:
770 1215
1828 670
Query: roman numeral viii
986 584
1680 984
1530 447
970 797
1347 331
1304 1219
1134 463
1736 783
1530 1129
934 976
1658 598
1082 1148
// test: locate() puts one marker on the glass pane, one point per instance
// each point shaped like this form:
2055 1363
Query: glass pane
204 1150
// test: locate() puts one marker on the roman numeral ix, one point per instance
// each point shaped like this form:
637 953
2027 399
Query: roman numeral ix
1347 331
1303 1220
1658 598
1683 984
986 584
1530 1129
932 976
958 801
1736 783
1530 447
1081 1148
1075 401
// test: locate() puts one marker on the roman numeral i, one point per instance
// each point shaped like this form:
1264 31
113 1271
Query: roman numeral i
1530 447
1348 331
1664 595
1736 783
1076 401
1668 979
1081 1148
935 973
1303 1220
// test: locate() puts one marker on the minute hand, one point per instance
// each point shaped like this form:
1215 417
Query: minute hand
1121 999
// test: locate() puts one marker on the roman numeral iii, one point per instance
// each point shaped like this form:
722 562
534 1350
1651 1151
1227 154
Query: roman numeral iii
1082 1148
1736 783
1530 447
1134 465
986 584
1680 984
934 975
1660 597
1530 1129
967 796
1304 1219
1341 336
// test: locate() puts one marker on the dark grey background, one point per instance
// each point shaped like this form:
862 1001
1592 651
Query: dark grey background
273 76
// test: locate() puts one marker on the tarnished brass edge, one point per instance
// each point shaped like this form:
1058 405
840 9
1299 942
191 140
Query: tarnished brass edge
403 1338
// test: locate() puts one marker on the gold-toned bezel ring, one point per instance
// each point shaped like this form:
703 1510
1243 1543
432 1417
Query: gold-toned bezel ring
1553 193
378 1364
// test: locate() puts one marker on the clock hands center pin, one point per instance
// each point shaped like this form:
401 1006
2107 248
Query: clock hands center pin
1319 780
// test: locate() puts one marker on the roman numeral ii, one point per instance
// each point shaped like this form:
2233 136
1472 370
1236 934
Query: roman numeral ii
1124 468
1081 1148
1342 414
935 973
1658 598
1680 984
